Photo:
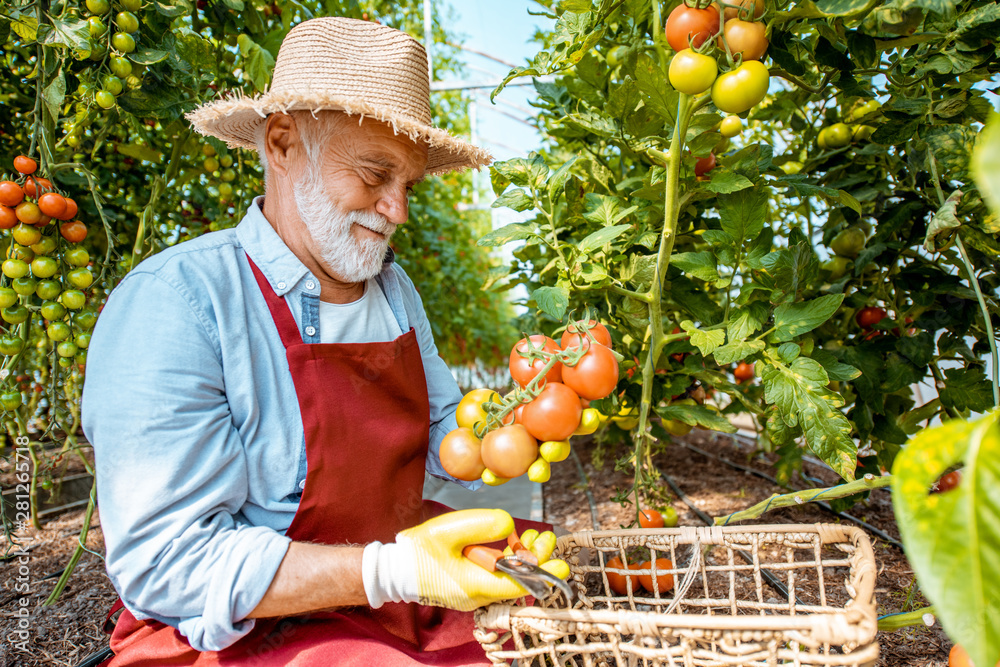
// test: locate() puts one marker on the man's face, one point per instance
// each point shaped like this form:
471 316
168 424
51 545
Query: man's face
354 195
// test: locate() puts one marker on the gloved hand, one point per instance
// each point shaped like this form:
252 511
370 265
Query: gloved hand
425 564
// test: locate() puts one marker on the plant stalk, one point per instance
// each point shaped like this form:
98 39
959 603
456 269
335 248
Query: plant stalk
801 497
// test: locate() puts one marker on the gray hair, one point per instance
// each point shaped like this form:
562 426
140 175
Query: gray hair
315 130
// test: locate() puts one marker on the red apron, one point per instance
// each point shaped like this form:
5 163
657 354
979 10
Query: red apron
353 398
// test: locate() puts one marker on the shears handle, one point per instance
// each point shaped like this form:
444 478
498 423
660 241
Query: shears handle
483 556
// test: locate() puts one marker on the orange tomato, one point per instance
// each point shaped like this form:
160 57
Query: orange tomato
650 519
25 164
52 204
11 193
664 582
619 582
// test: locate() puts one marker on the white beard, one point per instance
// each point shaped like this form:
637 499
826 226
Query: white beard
346 257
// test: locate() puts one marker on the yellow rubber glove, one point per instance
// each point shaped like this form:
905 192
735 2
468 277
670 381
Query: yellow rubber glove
443 577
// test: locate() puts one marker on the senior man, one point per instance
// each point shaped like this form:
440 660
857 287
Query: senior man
264 401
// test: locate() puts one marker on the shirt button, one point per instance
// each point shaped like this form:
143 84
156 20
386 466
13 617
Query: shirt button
310 285
310 331
281 285
302 484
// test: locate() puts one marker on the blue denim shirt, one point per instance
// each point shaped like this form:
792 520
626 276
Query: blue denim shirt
196 427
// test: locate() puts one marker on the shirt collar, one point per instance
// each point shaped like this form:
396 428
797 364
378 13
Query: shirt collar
282 269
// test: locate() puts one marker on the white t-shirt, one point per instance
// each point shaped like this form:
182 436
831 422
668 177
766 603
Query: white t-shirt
367 320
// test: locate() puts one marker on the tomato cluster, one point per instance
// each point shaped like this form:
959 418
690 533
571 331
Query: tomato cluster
621 583
120 37
45 272
221 167
498 439
738 35
843 134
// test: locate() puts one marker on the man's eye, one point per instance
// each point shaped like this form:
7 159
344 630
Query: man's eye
377 176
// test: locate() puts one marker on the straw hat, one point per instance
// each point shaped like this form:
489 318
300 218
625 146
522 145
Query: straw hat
359 67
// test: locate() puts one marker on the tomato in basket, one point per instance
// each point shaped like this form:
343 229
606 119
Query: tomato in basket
663 581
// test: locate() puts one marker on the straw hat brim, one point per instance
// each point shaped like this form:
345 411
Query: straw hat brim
234 120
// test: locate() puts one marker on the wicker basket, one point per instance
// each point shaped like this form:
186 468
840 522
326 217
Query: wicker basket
725 607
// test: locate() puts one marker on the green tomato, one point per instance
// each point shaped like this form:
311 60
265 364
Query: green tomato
10 344
731 126
82 340
838 136
65 362
692 72
14 268
132 82
8 297
80 358
113 85
53 310
96 27
77 256
44 267
98 50
741 89
120 67
228 175
226 160
72 141
105 100
11 400
616 55
836 266
821 138
73 299
44 246
14 314
48 289
207 150
849 242
98 6
123 42
16 251
58 331
24 286
127 22
26 234
81 278
861 132
210 164
85 319
67 348
225 190
132 5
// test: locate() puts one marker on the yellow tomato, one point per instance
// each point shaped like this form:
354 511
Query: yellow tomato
470 410
492 479
590 421
554 451
540 471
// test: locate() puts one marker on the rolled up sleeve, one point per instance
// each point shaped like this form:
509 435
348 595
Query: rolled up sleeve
442 390
171 467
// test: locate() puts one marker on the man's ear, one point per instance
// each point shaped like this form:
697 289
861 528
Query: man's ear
285 152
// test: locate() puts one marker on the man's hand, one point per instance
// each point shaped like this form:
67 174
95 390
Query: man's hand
426 564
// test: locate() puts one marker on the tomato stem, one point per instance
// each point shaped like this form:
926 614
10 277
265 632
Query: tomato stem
807 496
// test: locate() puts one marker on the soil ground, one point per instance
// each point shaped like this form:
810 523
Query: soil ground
65 633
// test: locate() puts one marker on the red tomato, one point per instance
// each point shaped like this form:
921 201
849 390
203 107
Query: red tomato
595 375
524 370
650 519
509 450
74 232
574 334
619 582
664 582
554 414
869 317
461 455
11 193
8 218
687 22
71 210
25 164
949 481
704 165
44 185
743 372
52 204
746 37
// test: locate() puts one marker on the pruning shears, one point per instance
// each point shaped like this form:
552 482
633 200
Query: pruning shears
521 565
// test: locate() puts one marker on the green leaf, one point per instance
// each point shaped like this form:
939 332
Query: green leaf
515 231
26 28
799 391
602 209
234 4
696 415
258 66
698 264
742 213
738 351
559 177
705 341
944 220
894 134
967 389
522 172
140 152
172 8
553 301
640 270
725 181
656 91
746 321
791 320
147 56
516 199
602 236
54 95
577 6
953 539
71 33
986 163
592 273
834 369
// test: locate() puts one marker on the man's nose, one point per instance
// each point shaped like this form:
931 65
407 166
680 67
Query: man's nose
394 205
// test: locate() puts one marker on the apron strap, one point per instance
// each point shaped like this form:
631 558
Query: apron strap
280 311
